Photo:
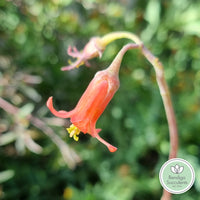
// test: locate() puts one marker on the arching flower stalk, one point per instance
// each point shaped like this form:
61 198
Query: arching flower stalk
94 101
162 84
95 48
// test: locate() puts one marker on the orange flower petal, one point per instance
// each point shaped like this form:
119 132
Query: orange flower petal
61 113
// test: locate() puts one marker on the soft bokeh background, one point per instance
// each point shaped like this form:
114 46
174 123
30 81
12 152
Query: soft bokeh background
37 158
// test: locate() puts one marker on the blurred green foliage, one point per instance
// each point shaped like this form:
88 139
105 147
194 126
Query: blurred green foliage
34 36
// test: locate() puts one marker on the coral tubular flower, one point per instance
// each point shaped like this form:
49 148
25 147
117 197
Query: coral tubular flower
93 48
94 101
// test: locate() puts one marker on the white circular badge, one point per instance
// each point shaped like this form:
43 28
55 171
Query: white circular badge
177 176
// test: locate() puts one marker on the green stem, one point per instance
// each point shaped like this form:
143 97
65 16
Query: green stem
116 63
163 87
110 37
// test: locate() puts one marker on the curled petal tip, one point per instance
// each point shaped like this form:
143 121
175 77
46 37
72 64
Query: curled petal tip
80 61
109 146
61 113
49 101
70 67
67 68
98 130
73 52
112 149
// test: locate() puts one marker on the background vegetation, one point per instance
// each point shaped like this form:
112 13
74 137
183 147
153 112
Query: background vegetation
37 158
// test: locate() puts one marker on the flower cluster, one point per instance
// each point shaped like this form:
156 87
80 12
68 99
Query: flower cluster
98 94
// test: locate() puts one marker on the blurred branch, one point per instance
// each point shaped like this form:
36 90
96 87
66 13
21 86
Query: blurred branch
69 155
9 108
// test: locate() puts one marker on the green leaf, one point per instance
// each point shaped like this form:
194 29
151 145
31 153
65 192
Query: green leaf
26 110
7 138
30 92
6 175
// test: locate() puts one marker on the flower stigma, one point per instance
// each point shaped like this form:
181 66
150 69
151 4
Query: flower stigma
73 132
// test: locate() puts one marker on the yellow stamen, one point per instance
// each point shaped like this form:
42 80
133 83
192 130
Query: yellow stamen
82 63
69 61
77 66
73 132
